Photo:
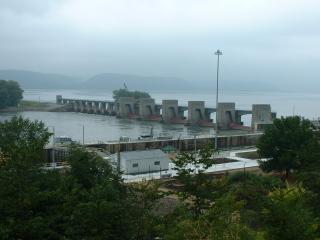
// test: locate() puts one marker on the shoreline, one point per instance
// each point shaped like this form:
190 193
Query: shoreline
35 106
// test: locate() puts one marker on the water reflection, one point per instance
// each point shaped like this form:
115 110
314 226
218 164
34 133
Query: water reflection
103 128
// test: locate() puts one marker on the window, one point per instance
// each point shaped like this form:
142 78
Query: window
157 163
135 165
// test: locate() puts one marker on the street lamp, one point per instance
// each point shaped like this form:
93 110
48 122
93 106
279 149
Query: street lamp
218 53
53 147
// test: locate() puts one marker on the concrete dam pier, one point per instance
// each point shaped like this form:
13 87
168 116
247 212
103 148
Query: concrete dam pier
171 112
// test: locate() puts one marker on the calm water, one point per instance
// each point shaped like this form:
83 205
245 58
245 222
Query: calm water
103 128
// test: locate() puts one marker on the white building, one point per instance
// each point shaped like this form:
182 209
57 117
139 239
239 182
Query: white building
136 162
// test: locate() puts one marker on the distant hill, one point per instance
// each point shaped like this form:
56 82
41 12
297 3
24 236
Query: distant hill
29 79
115 81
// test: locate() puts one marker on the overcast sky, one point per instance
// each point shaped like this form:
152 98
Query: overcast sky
262 40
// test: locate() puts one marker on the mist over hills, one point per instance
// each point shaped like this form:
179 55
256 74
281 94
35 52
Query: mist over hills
111 81
34 80
115 80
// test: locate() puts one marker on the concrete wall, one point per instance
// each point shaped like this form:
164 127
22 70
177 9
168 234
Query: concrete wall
196 112
226 114
261 115
95 107
146 107
126 106
134 165
83 106
111 109
89 108
169 110
59 99
186 144
103 108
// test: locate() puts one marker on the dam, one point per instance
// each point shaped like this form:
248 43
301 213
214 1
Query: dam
169 111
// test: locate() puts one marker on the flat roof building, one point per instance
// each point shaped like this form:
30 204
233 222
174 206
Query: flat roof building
136 162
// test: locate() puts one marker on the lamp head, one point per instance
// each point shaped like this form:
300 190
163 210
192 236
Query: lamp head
218 52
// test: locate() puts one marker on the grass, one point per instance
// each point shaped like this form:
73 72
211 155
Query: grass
223 160
249 155
31 104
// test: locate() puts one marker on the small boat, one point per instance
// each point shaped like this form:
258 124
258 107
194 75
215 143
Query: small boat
147 136
63 140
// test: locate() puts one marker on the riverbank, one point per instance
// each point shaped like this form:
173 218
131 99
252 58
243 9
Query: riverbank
35 106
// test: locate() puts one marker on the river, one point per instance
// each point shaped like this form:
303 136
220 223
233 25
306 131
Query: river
103 128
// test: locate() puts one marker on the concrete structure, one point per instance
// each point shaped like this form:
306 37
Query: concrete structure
261 116
59 99
136 162
169 110
226 115
172 112
196 112
146 109
182 144
126 107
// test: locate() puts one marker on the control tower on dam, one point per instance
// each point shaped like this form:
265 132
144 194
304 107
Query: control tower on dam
169 111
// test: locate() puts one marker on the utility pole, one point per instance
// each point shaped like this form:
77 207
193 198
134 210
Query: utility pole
218 53
53 147
82 134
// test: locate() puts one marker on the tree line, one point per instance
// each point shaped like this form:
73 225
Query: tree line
10 93
124 92
89 200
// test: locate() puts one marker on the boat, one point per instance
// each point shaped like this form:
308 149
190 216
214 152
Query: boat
63 140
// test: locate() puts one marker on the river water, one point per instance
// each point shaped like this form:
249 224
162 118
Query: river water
103 128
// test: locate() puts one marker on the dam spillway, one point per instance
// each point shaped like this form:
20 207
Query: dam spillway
169 111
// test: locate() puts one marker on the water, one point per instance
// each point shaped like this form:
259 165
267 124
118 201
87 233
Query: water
284 103
103 128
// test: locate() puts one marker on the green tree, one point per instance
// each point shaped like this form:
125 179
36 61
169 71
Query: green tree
251 189
87 200
122 92
14 92
288 216
10 93
222 221
29 197
4 95
289 144
23 140
198 188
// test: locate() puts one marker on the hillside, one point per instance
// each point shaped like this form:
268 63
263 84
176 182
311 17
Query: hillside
111 81
115 80
29 79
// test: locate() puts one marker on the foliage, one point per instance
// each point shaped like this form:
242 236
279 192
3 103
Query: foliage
23 140
123 92
252 190
197 186
289 144
222 221
89 200
288 216
86 201
10 93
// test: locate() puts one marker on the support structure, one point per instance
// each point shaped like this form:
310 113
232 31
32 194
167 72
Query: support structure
228 117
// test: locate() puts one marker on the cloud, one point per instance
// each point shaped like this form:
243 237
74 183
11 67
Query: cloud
162 37
33 7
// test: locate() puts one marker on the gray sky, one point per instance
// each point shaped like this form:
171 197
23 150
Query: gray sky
262 40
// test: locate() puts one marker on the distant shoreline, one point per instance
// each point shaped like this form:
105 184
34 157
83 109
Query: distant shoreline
35 106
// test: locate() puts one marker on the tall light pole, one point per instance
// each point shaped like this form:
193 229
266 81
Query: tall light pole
218 53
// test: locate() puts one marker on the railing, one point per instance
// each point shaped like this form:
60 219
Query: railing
56 165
